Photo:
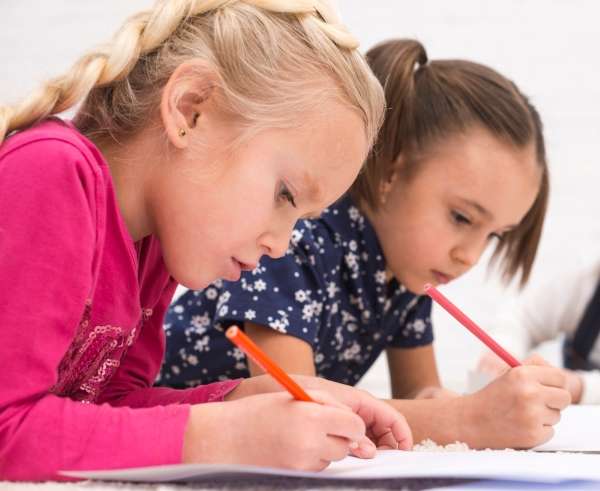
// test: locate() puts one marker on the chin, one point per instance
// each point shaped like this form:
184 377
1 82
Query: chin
413 285
192 281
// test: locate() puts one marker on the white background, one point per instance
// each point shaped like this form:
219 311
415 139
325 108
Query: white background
550 48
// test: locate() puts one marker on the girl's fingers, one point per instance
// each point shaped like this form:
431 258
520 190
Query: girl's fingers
336 448
339 419
365 449
547 434
385 425
556 398
551 417
545 375
551 377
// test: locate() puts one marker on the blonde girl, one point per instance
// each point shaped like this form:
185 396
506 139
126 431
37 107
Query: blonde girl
197 145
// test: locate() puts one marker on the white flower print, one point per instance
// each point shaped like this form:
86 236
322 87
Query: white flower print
332 289
237 354
211 293
250 314
307 312
353 213
347 317
200 321
192 360
260 285
301 296
224 298
317 307
419 326
247 287
296 236
380 276
202 344
278 325
178 309
352 352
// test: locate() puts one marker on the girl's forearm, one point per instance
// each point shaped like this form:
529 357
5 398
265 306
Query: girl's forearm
441 420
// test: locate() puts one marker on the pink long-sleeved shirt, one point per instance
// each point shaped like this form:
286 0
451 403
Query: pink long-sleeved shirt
81 310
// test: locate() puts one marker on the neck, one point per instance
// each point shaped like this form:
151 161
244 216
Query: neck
130 162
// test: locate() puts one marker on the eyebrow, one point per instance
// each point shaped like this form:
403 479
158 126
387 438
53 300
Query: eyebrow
486 212
478 207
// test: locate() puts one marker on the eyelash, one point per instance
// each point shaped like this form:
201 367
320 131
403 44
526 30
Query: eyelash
460 219
286 195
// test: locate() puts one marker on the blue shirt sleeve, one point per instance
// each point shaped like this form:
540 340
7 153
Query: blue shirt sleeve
416 328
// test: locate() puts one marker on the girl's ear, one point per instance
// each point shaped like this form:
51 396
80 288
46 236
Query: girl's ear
387 183
184 98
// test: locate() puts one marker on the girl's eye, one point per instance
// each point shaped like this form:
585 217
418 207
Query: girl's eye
286 195
459 218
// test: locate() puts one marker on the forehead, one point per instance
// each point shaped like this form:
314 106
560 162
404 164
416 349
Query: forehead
487 170
332 147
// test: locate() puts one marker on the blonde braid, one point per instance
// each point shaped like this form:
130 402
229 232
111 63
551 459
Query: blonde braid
140 35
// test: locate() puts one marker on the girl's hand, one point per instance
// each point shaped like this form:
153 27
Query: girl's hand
492 364
385 426
274 430
518 409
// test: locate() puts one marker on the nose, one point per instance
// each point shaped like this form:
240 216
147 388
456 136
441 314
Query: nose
468 253
276 241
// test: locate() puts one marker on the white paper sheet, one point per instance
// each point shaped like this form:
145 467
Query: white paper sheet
506 465
577 431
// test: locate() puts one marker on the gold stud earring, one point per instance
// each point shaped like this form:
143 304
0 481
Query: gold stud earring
182 132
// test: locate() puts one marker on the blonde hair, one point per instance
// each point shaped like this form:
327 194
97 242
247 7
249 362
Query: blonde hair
271 59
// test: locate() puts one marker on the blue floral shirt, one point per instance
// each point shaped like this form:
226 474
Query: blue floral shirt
329 290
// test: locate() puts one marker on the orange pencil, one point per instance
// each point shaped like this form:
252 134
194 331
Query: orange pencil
243 342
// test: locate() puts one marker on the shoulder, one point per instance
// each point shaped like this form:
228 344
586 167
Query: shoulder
51 151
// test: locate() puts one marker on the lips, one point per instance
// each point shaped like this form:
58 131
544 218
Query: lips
441 278
246 266
234 270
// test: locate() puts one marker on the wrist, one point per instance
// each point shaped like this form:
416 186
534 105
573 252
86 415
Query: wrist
201 440
468 420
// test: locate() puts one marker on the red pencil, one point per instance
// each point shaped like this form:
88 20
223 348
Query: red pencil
243 342
461 317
